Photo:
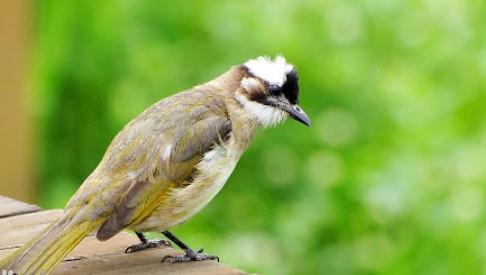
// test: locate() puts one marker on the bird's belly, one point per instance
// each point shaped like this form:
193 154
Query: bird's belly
183 203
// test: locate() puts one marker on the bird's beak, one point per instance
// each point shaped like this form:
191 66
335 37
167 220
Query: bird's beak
298 114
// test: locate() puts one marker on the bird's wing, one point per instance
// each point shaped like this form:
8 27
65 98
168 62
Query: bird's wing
177 149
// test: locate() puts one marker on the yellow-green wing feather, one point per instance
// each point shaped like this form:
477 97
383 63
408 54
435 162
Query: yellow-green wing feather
171 156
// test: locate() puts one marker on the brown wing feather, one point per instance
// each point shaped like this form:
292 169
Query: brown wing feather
205 124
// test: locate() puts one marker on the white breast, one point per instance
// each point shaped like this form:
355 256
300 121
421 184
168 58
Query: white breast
213 172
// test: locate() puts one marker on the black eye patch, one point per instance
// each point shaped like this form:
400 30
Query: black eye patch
274 89
291 87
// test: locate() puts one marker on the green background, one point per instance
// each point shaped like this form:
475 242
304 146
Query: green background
390 178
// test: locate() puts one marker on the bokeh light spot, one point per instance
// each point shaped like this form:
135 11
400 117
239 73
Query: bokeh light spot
370 252
467 203
345 24
326 169
336 127
279 164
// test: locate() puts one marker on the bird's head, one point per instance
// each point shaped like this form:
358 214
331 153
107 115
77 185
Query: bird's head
270 91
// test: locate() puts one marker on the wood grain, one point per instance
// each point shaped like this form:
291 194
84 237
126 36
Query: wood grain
16 230
92 256
10 207
142 262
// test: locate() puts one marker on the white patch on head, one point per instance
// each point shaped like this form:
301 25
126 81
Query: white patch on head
265 115
273 71
250 83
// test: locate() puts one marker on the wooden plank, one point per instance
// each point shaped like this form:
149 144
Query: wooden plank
142 262
16 230
108 257
94 257
91 247
10 207
30 225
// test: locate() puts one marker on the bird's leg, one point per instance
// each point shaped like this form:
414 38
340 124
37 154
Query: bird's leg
190 254
144 243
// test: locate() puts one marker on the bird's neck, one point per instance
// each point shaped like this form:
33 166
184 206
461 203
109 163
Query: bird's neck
244 126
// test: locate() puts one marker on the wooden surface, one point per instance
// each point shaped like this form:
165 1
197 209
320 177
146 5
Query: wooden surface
20 221
10 207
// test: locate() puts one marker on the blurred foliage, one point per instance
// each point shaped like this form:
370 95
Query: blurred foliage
389 180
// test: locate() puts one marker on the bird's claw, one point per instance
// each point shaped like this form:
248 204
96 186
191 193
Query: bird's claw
148 244
190 256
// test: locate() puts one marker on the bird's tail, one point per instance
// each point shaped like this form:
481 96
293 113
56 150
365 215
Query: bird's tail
42 254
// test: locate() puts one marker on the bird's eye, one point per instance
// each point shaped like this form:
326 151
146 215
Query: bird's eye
274 89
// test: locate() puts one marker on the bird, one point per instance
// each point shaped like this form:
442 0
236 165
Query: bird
169 162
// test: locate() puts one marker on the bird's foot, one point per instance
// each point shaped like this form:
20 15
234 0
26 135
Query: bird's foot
190 256
148 244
